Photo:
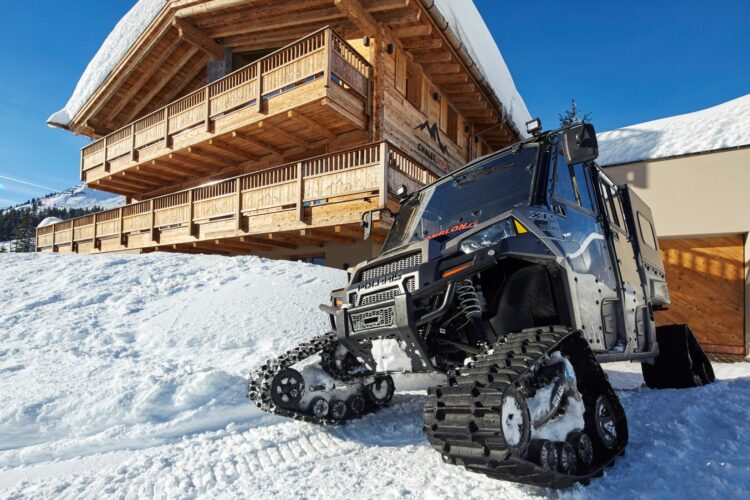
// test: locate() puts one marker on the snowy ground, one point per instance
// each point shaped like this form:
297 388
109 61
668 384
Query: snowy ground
124 376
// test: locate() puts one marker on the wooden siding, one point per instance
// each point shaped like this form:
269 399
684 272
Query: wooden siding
706 285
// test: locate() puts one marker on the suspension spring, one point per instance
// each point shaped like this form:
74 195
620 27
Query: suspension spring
468 299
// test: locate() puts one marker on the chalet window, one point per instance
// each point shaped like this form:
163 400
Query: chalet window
413 86
452 125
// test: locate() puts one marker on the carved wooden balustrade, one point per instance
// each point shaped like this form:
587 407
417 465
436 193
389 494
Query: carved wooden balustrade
327 190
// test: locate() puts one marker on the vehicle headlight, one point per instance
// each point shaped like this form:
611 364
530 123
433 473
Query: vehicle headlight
490 236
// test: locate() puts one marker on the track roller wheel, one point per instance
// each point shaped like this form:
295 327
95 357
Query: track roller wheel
319 408
567 462
381 390
356 404
515 420
338 410
544 453
287 388
604 422
583 447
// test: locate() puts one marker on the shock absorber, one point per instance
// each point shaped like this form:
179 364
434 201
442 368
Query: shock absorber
468 300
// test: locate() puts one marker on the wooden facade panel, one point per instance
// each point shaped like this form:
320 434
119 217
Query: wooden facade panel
215 207
170 216
338 183
271 196
706 285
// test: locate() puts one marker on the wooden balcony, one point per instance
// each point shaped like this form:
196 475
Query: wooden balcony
318 199
305 93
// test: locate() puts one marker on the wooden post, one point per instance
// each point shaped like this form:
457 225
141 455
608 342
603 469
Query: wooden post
119 230
300 192
166 128
259 79
73 235
327 50
132 142
238 201
83 172
152 221
191 212
207 97
106 162
96 245
383 191
54 237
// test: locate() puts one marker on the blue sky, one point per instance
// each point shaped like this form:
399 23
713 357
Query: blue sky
625 62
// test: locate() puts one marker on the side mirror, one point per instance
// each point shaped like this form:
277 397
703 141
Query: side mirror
366 223
579 144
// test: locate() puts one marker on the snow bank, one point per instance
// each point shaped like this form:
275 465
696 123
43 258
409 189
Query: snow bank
109 55
724 126
467 24
124 376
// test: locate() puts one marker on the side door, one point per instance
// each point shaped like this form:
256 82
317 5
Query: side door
593 280
635 317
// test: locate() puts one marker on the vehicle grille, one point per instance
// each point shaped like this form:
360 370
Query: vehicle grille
400 264
381 296
410 284
376 318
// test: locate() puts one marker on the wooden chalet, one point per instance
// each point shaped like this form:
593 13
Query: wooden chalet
269 126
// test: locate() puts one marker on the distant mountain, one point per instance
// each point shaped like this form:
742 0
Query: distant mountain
18 222
78 197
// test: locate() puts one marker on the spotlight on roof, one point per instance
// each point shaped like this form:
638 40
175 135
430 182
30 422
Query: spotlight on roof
534 127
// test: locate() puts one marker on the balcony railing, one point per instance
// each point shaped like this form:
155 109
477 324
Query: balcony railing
322 54
321 191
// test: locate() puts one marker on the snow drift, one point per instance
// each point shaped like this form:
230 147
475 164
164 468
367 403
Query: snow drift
125 376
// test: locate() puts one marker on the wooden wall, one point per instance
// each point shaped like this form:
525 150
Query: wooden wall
706 285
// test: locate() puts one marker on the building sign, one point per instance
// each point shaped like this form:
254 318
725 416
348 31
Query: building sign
434 132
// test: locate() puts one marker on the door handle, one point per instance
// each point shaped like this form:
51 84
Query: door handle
559 209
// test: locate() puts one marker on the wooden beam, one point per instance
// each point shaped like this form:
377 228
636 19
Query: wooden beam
412 31
198 39
441 68
150 71
427 43
269 242
189 164
320 235
160 86
385 5
252 24
293 238
435 57
275 129
359 16
311 124
252 141
232 150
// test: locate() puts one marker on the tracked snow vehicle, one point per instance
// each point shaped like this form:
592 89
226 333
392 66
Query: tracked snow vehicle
516 276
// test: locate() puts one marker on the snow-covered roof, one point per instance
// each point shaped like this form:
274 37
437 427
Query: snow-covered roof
724 126
109 55
49 221
462 16
467 24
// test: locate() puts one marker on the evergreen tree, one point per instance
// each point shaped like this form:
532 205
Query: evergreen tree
24 234
571 115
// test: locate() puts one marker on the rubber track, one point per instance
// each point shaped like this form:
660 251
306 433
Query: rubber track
259 382
462 418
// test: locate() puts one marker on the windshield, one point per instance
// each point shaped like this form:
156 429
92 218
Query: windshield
465 199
